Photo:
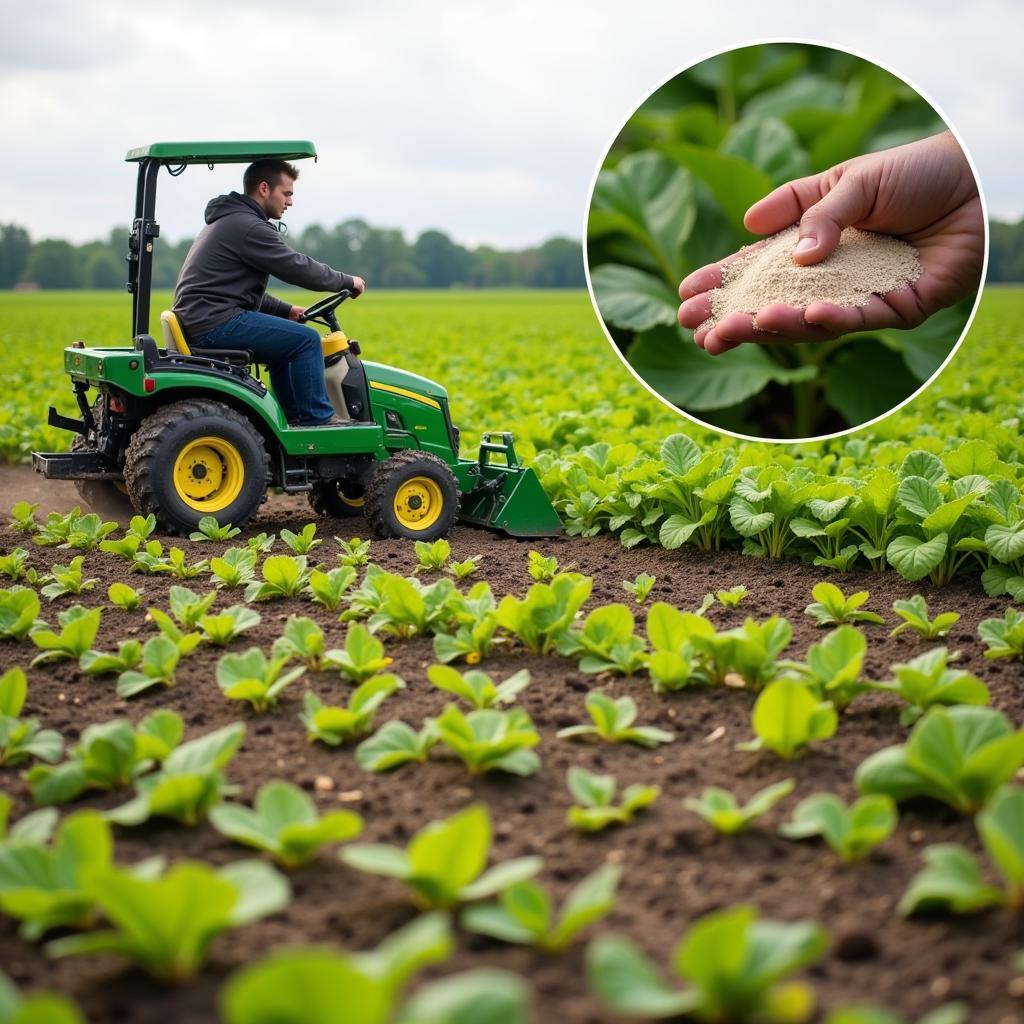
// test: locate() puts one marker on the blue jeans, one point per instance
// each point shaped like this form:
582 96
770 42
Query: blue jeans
291 352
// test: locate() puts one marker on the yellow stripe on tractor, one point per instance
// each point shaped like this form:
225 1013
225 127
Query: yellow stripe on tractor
405 393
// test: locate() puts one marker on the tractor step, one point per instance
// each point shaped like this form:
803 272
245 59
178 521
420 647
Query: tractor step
75 466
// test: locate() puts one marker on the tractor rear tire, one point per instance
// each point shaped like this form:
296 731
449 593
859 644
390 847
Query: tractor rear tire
337 499
107 498
197 458
412 494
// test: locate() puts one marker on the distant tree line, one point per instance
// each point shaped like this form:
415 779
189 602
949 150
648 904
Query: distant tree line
381 255
1006 251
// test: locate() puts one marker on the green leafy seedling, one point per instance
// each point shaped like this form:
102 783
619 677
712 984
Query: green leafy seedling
123 596
23 518
948 1013
394 744
477 688
36 827
21 739
524 913
464 569
959 755
15 567
640 587
186 642
210 529
284 822
544 570
735 965
613 722
97 663
1004 638
731 598
852 832
302 543
187 607
831 607
19 612
228 625
253 677
432 555
150 927
303 640
476 620
595 808
354 552
788 718
37 1008
444 862
283 575
409 608
490 740
235 568
673 663
56 528
67 579
142 526
328 588
724 813
78 626
262 543
952 878
160 658
834 667
178 565
336 725
547 611
606 641
914 613
927 680
88 531
363 655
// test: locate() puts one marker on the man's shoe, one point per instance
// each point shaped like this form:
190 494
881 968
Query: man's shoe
334 421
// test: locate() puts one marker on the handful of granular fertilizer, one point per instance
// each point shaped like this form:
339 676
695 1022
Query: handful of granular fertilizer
863 264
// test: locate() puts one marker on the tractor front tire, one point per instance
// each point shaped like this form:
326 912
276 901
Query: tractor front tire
412 494
197 458
337 499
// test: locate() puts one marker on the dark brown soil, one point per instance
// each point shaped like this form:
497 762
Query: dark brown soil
676 867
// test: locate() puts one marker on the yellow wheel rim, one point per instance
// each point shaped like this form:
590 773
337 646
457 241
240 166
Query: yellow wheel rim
208 474
351 502
418 503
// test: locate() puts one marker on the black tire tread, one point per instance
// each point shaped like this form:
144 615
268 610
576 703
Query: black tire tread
375 508
324 503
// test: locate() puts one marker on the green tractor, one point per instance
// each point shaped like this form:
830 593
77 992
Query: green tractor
185 434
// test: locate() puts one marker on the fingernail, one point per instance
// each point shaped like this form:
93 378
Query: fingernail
805 244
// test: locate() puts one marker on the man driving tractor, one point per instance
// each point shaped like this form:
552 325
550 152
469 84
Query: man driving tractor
221 299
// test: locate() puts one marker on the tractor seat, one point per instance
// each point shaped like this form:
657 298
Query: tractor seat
174 340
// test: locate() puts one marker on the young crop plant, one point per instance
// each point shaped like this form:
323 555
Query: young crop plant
852 832
327 588
464 569
87 532
432 555
750 651
36 827
959 756
1003 540
408 608
228 625
97 663
735 965
283 575
302 543
914 613
444 862
284 822
640 587
394 744
23 518
354 552
141 526
831 607
788 718
56 528
21 739
178 566
476 622
613 723
872 515
606 641
187 607
19 612
129 547
235 568
835 665
255 678
160 657
110 755
826 528
37 1008
764 503
477 688
148 559
731 598
544 570
190 781
1004 638
210 529
166 924
45 886
125 597
724 813
948 1013
595 808
671 634
362 657
67 579
927 680
261 543
952 879
303 640
16 568
78 629
524 912
337 725
185 642
547 611
490 740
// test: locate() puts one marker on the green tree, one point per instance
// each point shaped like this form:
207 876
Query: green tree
53 263
14 249
442 261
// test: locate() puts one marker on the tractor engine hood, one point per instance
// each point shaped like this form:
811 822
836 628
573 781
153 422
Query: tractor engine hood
378 373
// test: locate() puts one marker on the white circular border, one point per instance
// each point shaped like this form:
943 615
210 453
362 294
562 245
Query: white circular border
798 42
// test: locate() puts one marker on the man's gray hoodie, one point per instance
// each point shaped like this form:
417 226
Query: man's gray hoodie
227 268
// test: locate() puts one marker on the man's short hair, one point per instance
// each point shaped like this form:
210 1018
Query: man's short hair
270 171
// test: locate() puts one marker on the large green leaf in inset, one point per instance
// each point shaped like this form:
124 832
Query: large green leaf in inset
633 299
866 380
770 145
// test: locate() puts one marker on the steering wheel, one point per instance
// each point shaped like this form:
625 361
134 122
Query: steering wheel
323 311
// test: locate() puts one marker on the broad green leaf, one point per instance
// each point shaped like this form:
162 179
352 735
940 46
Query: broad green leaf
633 299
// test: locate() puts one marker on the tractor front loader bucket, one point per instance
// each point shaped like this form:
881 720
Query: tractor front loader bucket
505 497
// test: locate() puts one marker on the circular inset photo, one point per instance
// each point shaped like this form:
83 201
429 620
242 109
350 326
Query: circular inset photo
785 241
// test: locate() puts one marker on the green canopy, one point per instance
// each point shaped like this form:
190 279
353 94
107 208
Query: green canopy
221 152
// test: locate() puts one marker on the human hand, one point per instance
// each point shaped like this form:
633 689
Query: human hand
296 312
924 193
358 286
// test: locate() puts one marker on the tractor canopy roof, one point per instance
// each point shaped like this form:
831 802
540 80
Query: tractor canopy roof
178 153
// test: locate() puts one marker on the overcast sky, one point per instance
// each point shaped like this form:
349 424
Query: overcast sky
482 120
